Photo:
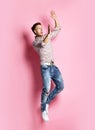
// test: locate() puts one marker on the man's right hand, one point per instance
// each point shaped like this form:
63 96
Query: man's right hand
46 39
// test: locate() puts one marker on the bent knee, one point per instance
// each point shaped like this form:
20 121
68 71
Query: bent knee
61 86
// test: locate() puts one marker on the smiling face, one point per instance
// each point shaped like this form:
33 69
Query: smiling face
38 30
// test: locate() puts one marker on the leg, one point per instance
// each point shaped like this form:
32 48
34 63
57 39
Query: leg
46 85
57 78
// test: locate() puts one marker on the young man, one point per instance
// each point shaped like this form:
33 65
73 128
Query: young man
49 71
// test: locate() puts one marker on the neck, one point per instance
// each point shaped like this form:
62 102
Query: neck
39 36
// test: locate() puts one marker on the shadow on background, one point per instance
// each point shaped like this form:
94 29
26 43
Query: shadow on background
33 63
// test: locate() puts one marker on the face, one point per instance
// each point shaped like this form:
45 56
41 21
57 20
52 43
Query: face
38 30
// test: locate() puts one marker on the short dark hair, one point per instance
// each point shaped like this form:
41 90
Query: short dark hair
34 26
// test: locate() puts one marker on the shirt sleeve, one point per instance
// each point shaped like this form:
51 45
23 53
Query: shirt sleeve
55 32
38 43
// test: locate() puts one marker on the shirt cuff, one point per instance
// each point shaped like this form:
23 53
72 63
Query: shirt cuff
57 28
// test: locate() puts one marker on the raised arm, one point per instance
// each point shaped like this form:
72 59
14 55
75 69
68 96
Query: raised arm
57 27
40 42
55 18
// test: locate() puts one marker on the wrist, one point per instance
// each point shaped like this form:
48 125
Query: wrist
55 19
48 35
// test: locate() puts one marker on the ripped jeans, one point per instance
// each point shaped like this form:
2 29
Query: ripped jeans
49 72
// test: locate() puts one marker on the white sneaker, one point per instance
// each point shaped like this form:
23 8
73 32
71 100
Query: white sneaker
45 116
47 106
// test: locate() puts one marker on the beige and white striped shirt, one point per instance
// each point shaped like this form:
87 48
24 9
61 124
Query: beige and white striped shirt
45 50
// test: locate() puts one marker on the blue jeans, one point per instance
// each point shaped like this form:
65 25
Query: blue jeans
49 72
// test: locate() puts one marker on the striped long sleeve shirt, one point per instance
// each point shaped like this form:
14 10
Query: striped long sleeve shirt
45 49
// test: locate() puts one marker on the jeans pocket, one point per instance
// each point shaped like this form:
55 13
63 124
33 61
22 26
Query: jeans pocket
44 66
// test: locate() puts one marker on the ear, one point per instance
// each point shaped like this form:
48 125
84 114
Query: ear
34 31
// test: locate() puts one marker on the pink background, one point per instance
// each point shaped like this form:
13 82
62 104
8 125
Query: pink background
20 79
